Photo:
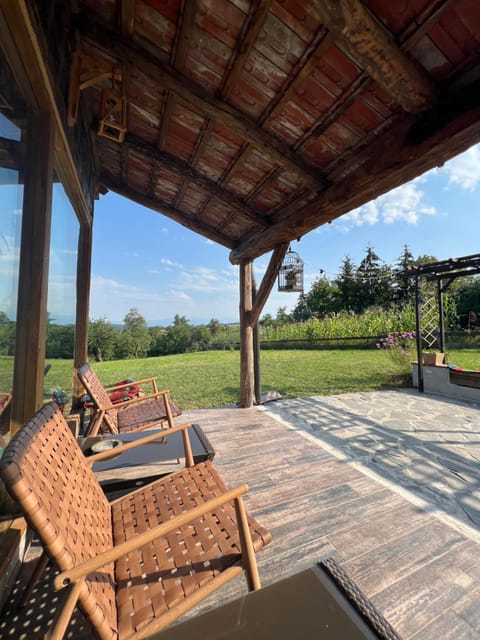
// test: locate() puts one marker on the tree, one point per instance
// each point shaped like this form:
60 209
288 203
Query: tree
60 341
214 326
101 339
346 283
157 341
302 311
322 299
404 285
7 334
200 338
373 282
179 335
282 316
136 330
267 320
468 302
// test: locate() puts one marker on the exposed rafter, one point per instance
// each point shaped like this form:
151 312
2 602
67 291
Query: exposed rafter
127 17
413 148
184 34
305 67
166 160
374 50
410 35
253 27
202 101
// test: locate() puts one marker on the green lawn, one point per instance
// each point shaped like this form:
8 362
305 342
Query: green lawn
211 379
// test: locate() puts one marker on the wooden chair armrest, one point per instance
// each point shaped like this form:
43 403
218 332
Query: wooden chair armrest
164 433
147 396
87 567
120 405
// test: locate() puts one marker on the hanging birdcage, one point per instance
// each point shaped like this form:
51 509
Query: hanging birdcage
290 273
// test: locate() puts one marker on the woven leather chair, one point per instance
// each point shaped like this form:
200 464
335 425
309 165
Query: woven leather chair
136 564
138 413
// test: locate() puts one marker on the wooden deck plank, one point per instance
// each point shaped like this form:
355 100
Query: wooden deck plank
412 603
422 574
447 626
469 610
416 548
383 529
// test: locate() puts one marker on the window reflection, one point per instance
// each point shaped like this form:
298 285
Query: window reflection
11 198
62 277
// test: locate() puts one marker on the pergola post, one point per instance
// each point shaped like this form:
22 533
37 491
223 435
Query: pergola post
31 327
84 262
418 328
247 376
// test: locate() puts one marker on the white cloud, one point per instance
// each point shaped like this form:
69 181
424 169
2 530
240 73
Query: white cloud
208 281
464 170
166 262
404 204
197 293
181 295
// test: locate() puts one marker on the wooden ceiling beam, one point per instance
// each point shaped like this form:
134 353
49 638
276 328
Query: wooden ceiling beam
183 36
422 22
253 26
199 99
408 150
184 33
407 39
321 43
173 163
127 17
157 204
373 49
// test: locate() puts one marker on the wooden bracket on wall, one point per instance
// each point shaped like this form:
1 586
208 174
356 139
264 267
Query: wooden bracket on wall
87 71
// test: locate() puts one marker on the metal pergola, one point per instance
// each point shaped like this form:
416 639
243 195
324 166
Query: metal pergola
443 272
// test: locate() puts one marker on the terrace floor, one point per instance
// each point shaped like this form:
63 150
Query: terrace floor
386 482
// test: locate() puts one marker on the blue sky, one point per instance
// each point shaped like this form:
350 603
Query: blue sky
145 260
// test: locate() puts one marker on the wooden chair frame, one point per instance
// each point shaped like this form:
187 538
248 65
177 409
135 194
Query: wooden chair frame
106 412
172 542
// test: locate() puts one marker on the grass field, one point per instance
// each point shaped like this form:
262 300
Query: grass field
211 379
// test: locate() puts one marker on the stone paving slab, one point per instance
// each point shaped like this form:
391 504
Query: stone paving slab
426 445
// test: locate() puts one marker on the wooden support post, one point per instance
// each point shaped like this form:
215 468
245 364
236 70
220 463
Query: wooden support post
256 349
84 260
246 336
31 329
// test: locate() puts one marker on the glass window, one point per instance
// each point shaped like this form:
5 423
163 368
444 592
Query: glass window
61 303
11 202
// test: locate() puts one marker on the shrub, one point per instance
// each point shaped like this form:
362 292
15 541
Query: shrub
401 347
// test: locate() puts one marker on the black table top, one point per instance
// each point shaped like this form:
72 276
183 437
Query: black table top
303 606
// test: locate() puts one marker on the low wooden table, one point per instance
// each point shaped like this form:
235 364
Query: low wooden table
141 465
320 602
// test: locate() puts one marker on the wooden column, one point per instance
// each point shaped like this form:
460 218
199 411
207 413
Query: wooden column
84 267
31 328
246 336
